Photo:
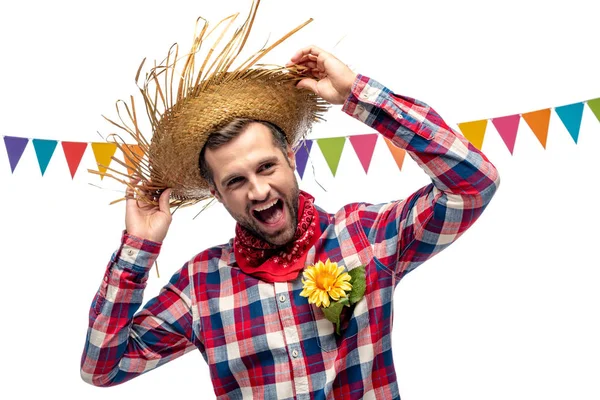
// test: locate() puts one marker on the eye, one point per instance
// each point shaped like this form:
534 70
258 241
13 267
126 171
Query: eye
266 166
234 181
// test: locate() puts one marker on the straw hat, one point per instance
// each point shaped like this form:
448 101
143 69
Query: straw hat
205 100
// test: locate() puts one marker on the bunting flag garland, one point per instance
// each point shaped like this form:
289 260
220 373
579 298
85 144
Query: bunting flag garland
397 153
132 152
73 153
595 107
332 151
44 149
332 148
474 131
103 153
302 154
538 122
507 128
15 146
571 115
364 145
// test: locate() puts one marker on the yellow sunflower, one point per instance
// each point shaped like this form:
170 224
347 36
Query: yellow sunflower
325 281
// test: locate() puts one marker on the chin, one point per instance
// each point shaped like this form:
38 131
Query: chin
281 239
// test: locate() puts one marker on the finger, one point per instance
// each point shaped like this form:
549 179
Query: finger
163 201
130 189
314 50
308 83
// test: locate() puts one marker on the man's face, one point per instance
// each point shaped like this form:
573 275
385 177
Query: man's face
255 182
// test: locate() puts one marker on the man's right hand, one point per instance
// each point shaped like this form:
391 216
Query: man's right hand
147 221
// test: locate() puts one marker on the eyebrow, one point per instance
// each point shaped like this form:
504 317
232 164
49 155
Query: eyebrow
272 159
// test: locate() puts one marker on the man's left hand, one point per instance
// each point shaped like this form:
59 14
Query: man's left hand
327 76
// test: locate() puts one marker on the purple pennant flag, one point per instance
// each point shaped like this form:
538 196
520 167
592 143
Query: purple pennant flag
302 154
14 147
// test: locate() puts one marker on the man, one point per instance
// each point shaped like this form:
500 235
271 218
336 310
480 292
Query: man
242 304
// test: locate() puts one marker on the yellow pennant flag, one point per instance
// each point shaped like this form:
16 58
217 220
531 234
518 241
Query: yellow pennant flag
103 153
474 131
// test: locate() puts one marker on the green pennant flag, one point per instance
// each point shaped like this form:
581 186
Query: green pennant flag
595 107
332 151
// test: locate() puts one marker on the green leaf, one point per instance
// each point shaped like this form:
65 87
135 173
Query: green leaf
344 301
332 313
359 284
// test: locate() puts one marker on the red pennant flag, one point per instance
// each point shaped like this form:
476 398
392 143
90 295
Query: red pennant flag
73 153
507 127
364 145
397 153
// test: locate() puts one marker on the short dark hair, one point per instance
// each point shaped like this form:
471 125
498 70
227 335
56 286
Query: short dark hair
228 133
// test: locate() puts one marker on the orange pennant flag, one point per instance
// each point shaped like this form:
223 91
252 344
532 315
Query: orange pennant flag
539 121
103 153
474 131
132 152
397 153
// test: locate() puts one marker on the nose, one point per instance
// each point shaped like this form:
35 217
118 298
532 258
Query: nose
259 190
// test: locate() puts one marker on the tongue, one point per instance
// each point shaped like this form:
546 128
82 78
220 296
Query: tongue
270 215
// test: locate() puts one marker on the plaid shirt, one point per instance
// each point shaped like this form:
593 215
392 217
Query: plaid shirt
263 340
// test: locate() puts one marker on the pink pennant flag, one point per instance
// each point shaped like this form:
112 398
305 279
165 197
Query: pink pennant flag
364 145
507 127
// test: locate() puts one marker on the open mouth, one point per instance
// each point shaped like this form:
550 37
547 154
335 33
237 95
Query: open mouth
270 214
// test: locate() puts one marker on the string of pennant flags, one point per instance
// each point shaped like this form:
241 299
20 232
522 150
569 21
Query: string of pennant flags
331 148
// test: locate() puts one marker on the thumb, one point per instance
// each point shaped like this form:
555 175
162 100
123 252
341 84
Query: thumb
163 201
308 83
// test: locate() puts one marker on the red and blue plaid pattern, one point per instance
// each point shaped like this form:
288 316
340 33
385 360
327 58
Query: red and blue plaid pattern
264 340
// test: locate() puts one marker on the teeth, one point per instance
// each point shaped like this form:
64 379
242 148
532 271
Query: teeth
269 205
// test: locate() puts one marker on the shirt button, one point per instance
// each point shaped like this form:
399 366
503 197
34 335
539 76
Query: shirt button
130 252
282 298
295 353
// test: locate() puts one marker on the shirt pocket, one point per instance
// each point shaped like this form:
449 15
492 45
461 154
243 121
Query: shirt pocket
353 321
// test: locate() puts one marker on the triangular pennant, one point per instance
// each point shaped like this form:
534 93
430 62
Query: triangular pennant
538 121
364 145
44 149
507 128
474 131
397 152
302 154
570 115
595 107
103 153
14 148
73 153
132 153
332 151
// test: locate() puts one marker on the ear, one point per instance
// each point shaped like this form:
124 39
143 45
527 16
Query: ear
213 191
291 156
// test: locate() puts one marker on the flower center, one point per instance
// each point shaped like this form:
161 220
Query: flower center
325 281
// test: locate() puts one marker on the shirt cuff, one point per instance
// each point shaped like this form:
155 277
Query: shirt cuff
364 90
137 253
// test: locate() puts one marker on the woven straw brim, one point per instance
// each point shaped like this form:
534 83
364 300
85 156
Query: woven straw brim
259 95
186 99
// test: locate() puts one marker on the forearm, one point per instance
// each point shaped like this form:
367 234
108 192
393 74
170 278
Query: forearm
463 179
118 346
453 164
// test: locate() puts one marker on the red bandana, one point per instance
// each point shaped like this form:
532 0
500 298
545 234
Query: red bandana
272 263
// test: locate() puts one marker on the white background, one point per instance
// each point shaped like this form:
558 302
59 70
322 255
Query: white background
510 311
